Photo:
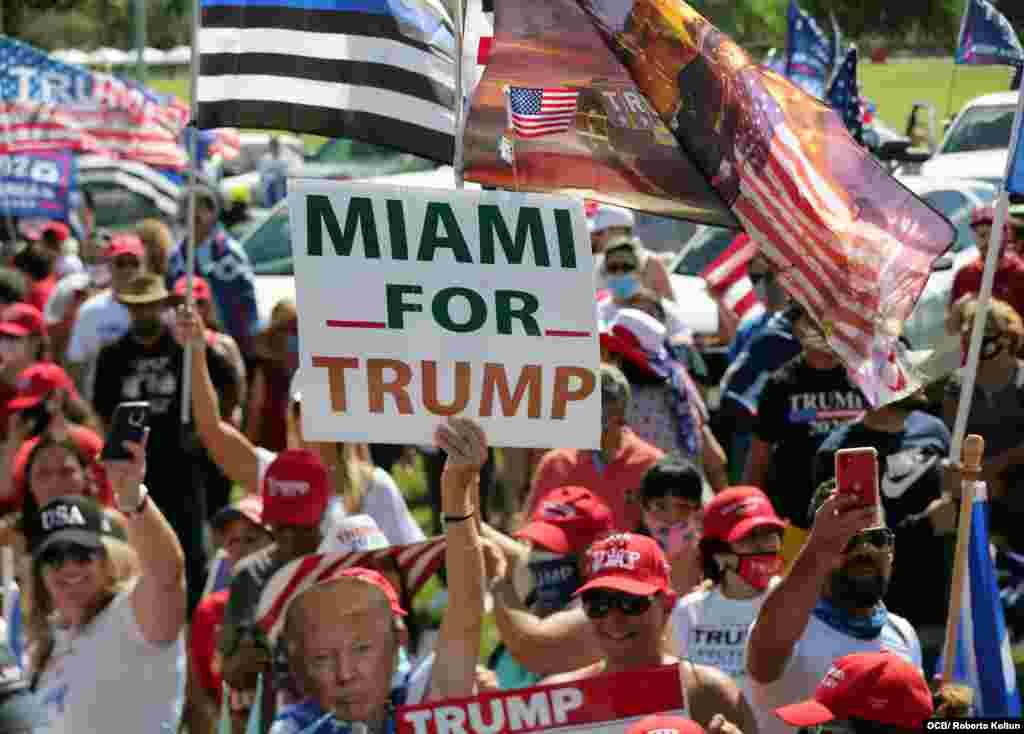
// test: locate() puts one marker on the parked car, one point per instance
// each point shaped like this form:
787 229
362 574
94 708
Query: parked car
269 244
338 158
977 143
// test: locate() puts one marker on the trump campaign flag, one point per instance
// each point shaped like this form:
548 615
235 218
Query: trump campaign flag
810 55
1015 172
51 105
844 95
37 185
379 71
986 37
983 656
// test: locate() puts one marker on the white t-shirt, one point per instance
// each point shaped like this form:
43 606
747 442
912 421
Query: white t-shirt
111 679
101 321
812 657
382 501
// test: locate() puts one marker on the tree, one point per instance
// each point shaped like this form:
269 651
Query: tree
14 15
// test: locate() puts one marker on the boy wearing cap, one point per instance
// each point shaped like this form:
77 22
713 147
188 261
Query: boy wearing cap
295 493
627 599
344 632
740 551
102 319
23 342
863 690
544 570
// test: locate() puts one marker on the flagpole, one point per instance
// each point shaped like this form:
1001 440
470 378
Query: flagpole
190 228
949 93
970 370
952 77
460 104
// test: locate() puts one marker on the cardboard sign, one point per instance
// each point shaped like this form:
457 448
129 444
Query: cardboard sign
594 705
418 304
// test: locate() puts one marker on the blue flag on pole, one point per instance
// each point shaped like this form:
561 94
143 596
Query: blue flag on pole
844 95
38 185
983 657
986 37
809 52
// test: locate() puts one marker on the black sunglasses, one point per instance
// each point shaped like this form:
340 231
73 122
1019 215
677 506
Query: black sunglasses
597 603
59 553
881 538
620 268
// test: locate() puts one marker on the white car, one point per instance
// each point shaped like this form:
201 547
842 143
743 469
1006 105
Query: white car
956 198
269 244
977 143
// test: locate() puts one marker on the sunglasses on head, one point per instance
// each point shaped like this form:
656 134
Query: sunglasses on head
59 553
597 603
881 538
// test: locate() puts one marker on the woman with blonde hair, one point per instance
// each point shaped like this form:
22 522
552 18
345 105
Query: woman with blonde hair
359 487
104 616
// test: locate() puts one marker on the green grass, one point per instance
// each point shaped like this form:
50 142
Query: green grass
895 87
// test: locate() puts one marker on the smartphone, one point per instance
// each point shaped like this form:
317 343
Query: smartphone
129 423
857 474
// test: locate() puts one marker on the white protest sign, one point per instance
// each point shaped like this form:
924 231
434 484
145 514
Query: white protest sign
589 706
416 304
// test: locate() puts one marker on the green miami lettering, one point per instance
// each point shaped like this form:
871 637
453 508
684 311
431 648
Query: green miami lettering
566 243
439 213
528 226
359 216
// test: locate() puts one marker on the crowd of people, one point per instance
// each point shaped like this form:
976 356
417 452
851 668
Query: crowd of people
232 568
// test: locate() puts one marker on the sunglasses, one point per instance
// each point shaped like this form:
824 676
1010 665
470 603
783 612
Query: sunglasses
880 538
619 268
59 553
598 603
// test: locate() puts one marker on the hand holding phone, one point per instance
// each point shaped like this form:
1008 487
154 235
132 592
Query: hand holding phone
857 474
128 423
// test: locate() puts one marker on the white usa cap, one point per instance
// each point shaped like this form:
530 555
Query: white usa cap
353 533
610 216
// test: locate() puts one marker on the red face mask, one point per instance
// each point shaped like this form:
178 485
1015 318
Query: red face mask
757 569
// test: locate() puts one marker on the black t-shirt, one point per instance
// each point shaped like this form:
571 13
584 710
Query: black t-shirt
127 371
798 408
910 477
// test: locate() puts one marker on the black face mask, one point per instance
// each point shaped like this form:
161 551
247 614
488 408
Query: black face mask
147 329
33 264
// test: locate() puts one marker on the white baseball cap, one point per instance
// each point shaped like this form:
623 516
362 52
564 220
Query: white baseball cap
353 533
610 216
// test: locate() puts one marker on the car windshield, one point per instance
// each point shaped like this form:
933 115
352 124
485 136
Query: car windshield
957 207
269 247
985 127
702 249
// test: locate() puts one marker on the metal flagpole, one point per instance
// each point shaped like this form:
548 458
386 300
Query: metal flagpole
970 371
460 102
190 228
952 77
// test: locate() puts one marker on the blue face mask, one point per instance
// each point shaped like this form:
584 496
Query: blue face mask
555 579
623 286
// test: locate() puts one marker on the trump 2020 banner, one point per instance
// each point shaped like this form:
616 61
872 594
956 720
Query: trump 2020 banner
589 706
417 304
37 185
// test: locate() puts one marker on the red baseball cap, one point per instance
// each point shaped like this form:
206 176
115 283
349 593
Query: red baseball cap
22 319
295 489
873 686
125 244
634 564
568 520
60 230
35 383
665 724
200 288
733 513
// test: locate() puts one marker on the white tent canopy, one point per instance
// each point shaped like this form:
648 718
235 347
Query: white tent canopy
151 55
108 55
179 55
71 56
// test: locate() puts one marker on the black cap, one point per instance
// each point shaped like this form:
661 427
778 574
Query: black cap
74 519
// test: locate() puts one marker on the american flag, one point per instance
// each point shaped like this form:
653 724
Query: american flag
417 562
728 280
534 112
848 241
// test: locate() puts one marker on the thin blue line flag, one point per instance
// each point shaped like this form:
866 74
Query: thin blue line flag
844 95
809 52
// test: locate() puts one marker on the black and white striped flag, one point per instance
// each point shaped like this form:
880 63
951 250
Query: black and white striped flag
382 71
100 171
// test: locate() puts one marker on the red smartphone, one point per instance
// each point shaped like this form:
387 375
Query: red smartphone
857 474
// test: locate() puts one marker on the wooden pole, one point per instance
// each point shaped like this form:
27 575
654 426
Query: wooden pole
973 450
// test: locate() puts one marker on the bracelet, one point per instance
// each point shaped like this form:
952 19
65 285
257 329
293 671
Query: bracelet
458 518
